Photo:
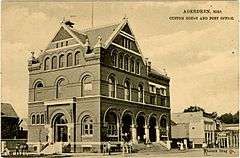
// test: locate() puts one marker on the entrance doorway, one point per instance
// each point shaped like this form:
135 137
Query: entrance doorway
60 129
126 128
140 128
152 129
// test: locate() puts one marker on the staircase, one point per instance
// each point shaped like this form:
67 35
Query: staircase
154 147
52 148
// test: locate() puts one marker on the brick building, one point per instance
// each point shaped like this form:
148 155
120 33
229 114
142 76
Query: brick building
92 86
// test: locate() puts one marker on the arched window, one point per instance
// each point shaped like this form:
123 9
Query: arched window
137 67
38 119
140 93
126 60
114 59
127 90
120 61
132 65
47 64
61 61
112 86
77 58
33 119
69 60
37 91
87 126
60 85
42 118
86 85
54 62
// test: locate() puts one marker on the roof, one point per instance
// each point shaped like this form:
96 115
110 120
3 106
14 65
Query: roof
230 126
92 34
7 110
157 73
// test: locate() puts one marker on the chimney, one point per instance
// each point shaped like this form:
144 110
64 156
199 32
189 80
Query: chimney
69 23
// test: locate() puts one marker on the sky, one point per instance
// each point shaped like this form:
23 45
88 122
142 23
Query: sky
197 55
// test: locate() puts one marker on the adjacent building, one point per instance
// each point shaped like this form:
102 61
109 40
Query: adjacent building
92 86
228 136
195 128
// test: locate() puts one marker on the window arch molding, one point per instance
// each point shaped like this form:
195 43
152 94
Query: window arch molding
37 81
60 77
87 125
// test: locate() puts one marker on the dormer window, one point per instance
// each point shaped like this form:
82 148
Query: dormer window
66 43
61 44
56 45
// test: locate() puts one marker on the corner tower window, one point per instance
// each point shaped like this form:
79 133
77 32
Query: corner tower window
38 91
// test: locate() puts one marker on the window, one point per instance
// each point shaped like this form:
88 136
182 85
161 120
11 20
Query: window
77 58
120 61
132 65
126 62
152 88
54 62
69 60
114 59
112 129
127 90
140 93
60 85
47 64
42 119
112 87
66 43
61 44
56 45
33 119
61 61
86 85
87 126
137 67
126 43
152 99
37 91
38 119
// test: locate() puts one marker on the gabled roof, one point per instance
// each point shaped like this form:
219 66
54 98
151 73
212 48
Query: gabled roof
7 110
92 34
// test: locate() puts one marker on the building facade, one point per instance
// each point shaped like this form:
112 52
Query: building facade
196 128
228 136
92 86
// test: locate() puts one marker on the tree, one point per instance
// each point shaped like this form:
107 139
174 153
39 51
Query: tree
236 117
193 109
230 118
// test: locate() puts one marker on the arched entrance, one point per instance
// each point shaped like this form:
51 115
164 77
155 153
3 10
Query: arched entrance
140 128
152 129
163 128
126 127
60 128
111 121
